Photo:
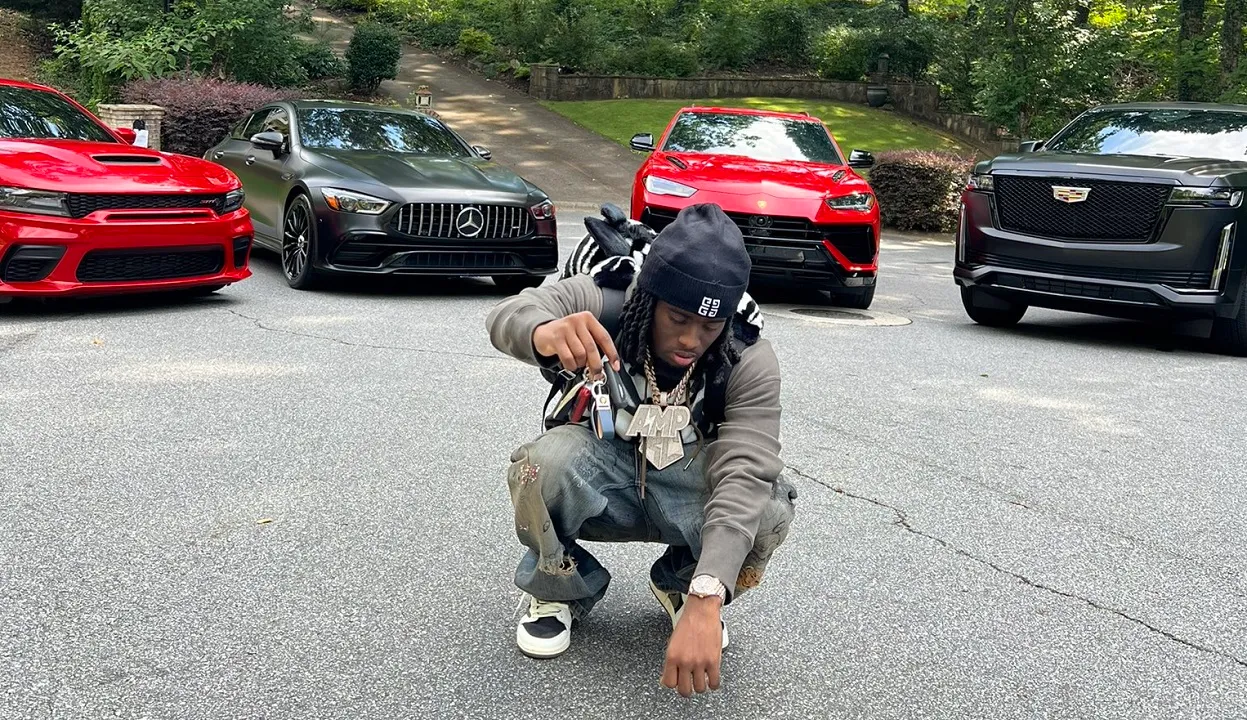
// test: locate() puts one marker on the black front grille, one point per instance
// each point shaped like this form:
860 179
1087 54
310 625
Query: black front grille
1078 289
30 263
150 264
81 205
1117 211
855 242
462 260
1172 278
459 221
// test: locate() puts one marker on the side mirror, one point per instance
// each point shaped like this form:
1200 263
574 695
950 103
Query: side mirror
1030 146
861 159
642 142
274 141
127 134
483 151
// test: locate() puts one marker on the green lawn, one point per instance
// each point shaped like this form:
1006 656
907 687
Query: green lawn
854 126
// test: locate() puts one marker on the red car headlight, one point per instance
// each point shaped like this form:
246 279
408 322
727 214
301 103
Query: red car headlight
543 210
661 186
861 202
38 202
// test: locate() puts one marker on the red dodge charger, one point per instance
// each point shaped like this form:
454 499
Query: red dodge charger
807 217
84 212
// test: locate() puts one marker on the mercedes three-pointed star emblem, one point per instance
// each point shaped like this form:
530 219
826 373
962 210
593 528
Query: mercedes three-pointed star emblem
470 221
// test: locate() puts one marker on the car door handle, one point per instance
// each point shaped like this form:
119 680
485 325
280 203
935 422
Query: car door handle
250 159
218 155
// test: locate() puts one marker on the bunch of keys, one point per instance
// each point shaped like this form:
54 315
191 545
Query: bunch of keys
601 416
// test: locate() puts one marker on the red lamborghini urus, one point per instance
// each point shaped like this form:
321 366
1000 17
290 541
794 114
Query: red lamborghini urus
83 212
807 217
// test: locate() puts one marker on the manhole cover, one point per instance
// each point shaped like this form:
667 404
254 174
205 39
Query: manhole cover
830 314
840 316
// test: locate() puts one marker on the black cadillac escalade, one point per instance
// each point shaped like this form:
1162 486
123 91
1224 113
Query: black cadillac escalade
1131 210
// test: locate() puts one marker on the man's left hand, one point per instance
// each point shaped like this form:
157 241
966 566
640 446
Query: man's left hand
696 648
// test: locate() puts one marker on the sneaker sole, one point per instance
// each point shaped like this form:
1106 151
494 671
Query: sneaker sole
542 651
665 601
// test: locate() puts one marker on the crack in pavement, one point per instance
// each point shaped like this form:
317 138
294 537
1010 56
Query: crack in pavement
295 333
903 521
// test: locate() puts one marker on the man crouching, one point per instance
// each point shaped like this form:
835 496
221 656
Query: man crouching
707 484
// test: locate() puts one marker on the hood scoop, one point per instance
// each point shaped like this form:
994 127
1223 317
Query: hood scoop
126 159
677 162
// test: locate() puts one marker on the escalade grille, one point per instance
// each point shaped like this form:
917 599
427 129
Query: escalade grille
1112 211
82 205
448 220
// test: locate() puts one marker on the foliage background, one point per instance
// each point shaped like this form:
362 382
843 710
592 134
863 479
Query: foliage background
1029 65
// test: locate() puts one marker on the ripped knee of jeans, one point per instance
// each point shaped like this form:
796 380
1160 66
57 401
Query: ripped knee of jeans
560 566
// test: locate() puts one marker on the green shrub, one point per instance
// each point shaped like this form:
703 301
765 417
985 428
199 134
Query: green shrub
373 56
199 112
475 43
784 29
918 189
358 6
319 61
729 42
659 57
842 52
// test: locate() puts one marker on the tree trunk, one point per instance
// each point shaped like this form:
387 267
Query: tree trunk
1082 14
1190 30
1232 35
904 7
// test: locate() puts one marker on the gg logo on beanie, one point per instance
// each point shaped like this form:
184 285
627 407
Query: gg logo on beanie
698 263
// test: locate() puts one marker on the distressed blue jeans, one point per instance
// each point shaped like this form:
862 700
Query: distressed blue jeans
567 486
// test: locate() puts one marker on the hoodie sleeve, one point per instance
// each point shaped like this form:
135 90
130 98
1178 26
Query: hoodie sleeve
743 464
511 323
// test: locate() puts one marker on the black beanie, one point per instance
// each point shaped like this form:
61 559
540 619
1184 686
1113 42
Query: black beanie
698 263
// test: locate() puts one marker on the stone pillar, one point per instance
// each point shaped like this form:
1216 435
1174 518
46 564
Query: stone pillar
123 116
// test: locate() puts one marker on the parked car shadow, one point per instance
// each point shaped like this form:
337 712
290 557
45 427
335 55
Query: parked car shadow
61 308
269 265
1105 332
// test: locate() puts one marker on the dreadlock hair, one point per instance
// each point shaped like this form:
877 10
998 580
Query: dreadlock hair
636 327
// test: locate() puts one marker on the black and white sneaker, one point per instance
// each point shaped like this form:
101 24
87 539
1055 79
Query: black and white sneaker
546 631
673 603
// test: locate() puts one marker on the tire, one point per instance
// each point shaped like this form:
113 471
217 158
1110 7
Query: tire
1229 335
298 244
1001 313
859 300
512 284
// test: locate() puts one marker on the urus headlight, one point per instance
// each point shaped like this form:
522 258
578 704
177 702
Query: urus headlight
353 202
38 202
860 201
660 186
233 201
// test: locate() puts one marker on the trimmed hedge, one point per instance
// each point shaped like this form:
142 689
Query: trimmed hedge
373 56
919 190
199 112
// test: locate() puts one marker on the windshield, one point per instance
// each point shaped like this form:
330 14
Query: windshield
377 131
1166 133
27 114
752 136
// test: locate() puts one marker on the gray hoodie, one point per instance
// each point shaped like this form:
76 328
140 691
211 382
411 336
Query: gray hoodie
744 461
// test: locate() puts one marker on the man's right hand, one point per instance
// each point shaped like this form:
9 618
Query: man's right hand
578 341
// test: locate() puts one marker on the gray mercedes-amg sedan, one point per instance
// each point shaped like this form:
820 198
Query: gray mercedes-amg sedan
343 187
